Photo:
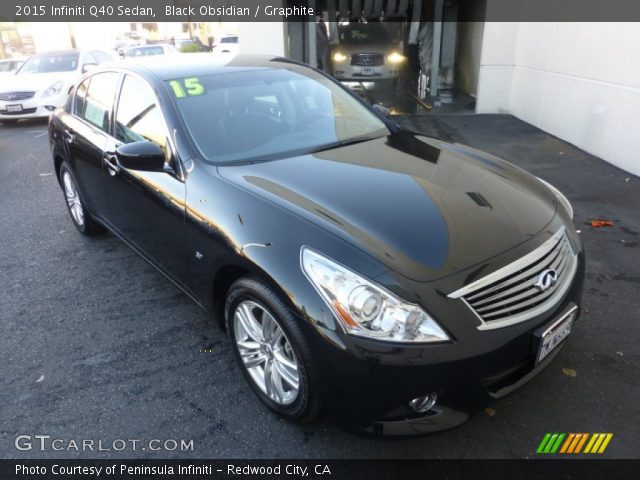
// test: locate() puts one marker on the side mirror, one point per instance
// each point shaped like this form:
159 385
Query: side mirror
146 156
88 66
382 110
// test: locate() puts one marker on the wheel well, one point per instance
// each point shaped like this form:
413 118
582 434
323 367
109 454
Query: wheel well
223 280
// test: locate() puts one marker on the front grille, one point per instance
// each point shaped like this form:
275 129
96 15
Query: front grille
21 112
513 294
367 59
16 96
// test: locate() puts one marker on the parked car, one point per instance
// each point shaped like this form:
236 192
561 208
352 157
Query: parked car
397 280
150 50
227 44
44 81
9 66
366 53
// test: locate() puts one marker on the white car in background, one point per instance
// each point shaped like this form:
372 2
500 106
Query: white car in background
227 44
44 81
8 67
150 50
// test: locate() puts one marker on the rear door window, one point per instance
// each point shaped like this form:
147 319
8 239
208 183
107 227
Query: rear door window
99 100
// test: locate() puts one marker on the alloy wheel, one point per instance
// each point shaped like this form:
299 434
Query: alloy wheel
73 199
266 352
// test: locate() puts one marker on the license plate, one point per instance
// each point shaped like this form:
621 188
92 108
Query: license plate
553 335
14 108
367 71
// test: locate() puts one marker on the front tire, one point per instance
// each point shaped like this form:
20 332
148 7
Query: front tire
272 351
82 220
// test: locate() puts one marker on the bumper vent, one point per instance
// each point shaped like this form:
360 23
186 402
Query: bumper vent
367 59
525 288
16 96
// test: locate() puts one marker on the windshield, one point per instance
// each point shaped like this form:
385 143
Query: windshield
364 33
65 62
6 66
245 116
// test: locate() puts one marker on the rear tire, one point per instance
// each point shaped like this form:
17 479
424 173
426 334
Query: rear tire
82 219
272 351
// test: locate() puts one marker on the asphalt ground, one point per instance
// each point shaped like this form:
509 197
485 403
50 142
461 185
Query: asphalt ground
95 344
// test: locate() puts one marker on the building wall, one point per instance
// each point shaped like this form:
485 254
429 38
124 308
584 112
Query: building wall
469 48
262 37
578 81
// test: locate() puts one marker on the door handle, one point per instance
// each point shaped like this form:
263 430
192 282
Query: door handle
110 160
69 136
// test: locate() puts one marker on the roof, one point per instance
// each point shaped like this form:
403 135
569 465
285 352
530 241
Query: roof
52 53
187 64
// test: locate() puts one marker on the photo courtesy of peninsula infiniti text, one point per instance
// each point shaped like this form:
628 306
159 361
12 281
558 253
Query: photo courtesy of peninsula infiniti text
396 281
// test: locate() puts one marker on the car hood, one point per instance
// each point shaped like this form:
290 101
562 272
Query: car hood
37 81
366 48
422 207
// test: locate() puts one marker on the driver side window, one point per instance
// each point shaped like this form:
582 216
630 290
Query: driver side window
139 117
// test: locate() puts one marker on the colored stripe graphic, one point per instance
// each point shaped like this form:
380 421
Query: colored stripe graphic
573 443
550 443
598 442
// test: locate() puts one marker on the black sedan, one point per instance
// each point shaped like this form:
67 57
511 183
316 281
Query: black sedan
395 280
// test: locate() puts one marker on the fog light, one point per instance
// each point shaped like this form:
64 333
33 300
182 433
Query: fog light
424 403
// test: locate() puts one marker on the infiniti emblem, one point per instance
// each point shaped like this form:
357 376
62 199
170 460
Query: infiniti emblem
546 279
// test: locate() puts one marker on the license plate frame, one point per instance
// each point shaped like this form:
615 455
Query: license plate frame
552 336
368 71
14 108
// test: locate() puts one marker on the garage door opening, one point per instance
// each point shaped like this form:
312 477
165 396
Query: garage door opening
412 57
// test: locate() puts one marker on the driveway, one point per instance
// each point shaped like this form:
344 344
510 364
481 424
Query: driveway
95 344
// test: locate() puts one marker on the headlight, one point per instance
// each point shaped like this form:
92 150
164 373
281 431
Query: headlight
339 57
561 198
54 89
395 57
366 309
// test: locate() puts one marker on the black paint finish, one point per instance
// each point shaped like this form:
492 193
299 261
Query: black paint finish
420 216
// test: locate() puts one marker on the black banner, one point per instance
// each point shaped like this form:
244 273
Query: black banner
306 10
320 469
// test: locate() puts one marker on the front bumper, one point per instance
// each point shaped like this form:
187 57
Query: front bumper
369 384
35 107
354 73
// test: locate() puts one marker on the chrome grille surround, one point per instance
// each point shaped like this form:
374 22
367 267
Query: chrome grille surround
16 96
510 295
367 59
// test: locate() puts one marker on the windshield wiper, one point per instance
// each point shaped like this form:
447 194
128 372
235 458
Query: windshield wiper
342 143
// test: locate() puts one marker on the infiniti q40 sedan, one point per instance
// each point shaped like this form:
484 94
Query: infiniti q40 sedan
395 280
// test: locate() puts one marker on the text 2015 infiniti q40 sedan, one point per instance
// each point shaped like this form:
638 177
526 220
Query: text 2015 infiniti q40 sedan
396 280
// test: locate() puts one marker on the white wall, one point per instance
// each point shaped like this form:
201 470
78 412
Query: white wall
262 37
578 81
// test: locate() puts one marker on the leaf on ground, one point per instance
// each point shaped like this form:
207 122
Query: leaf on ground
39 380
569 372
490 411
601 223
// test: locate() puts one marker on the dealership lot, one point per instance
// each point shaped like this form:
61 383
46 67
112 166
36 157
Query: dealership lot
97 345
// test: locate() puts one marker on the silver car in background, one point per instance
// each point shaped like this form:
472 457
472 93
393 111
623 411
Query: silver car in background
366 53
